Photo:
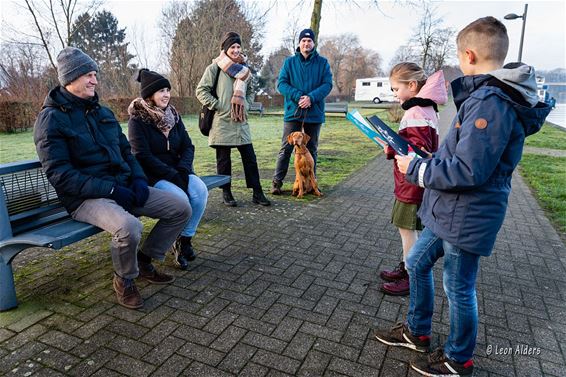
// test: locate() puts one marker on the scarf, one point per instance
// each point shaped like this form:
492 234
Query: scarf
418 101
242 74
163 119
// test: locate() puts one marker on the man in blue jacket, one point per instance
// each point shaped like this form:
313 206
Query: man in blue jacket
305 80
467 185
87 159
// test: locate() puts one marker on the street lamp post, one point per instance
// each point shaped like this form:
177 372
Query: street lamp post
513 16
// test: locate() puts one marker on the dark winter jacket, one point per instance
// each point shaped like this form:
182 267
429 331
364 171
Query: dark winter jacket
161 157
82 148
467 183
299 77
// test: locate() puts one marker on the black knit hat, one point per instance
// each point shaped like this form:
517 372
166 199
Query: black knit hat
306 33
229 39
151 82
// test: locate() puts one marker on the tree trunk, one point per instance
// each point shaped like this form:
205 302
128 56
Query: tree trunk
315 18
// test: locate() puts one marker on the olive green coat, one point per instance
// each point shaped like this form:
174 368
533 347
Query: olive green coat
224 130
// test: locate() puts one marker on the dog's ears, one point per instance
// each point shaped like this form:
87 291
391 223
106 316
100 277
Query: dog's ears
290 138
306 138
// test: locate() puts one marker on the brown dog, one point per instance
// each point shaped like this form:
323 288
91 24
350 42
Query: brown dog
305 181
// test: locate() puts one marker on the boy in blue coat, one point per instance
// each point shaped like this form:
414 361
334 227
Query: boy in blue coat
467 185
305 80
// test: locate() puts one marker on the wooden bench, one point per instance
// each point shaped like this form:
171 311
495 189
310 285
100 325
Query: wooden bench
31 215
336 107
256 106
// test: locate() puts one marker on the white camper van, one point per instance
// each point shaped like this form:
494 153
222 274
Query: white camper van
375 89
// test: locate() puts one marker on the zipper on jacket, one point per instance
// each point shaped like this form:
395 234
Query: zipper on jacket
89 126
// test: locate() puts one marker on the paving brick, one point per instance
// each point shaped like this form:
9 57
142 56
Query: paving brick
254 370
131 347
300 346
5 334
60 340
56 359
228 339
131 330
197 369
264 342
20 355
276 313
92 363
194 335
28 335
201 353
29 320
237 359
159 332
321 331
281 363
314 365
352 369
254 325
129 366
174 366
287 328
219 323
92 326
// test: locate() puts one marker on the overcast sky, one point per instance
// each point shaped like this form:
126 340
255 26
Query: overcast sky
383 29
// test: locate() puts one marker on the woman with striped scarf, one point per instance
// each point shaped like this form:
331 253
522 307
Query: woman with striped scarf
230 128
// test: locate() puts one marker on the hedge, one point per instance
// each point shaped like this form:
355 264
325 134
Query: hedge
20 116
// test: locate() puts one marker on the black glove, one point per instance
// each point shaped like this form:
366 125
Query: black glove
123 196
141 191
181 181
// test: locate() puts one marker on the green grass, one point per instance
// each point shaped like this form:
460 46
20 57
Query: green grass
548 137
342 149
547 177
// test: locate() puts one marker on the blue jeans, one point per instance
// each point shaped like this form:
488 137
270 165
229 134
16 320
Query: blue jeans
459 280
198 196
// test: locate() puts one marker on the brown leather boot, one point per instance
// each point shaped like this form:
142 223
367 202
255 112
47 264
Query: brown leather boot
276 188
127 293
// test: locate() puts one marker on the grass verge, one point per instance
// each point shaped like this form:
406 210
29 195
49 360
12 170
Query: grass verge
549 136
546 176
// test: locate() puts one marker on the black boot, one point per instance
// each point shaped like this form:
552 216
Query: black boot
259 198
229 198
184 252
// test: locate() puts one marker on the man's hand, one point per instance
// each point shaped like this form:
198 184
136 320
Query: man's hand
403 163
304 102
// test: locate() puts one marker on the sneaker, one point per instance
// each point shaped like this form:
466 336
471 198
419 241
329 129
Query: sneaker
437 364
259 198
396 288
400 336
397 273
276 187
149 273
127 293
229 198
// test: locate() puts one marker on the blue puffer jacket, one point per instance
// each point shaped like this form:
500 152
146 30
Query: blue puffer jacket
82 148
468 181
299 77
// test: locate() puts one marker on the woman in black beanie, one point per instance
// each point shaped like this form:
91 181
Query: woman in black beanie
230 127
164 149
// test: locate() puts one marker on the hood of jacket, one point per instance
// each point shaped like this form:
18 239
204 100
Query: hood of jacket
521 78
531 118
434 88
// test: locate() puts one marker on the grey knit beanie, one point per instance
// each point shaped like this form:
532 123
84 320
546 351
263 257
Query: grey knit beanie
72 63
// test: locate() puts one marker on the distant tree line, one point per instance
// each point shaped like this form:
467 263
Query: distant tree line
190 35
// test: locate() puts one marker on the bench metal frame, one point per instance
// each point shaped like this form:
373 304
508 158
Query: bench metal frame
44 223
336 107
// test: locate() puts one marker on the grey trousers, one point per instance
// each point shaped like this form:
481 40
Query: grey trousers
126 229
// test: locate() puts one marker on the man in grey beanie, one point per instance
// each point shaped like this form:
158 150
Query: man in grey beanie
87 159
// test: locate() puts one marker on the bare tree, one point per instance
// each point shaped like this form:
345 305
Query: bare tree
22 76
431 41
51 22
349 61
271 68
197 39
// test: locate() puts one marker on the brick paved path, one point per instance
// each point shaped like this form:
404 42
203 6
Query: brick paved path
286 290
